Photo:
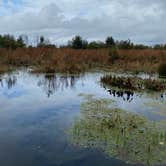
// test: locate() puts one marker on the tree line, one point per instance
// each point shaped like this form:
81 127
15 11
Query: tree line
8 41
77 42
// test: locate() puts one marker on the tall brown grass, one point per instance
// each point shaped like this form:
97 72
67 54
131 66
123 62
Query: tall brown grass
70 60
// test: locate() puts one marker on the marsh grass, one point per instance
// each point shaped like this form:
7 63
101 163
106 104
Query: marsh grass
126 136
113 54
75 61
6 69
133 83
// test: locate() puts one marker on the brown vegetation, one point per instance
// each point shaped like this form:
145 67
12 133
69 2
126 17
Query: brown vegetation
141 60
133 83
72 61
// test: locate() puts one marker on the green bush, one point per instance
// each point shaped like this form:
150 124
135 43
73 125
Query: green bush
162 70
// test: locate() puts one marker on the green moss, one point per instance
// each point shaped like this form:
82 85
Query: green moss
124 135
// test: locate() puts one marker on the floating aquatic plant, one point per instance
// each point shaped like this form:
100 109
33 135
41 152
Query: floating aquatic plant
127 136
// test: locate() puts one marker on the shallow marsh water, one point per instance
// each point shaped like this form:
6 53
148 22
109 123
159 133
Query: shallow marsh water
36 112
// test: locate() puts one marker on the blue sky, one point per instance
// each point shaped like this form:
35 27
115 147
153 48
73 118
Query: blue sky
8 7
140 20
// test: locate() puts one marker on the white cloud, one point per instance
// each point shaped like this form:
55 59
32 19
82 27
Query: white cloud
140 20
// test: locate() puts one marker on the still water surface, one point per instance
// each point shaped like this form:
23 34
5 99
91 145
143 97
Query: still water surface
36 112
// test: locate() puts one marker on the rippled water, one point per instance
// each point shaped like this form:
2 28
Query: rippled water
36 112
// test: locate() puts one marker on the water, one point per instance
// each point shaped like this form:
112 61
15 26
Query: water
36 112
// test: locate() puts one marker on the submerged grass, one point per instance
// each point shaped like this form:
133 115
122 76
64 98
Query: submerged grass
158 108
127 136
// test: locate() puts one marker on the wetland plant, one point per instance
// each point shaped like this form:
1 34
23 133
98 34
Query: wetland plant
162 70
120 134
133 83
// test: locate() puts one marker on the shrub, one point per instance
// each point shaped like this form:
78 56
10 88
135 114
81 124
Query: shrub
78 43
162 70
133 83
110 42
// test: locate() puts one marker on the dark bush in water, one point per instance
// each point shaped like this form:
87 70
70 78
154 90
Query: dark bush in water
162 70
133 83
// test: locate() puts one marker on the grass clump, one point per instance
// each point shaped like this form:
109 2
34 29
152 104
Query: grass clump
133 83
162 70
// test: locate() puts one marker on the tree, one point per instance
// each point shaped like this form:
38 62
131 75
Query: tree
125 44
42 40
110 42
25 39
8 41
78 43
96 45
20 42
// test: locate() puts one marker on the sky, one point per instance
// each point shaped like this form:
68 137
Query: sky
142 21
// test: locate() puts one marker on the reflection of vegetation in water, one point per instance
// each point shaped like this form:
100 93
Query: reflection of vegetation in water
10 81
126 95
158 107
51 83
121 134
129 95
